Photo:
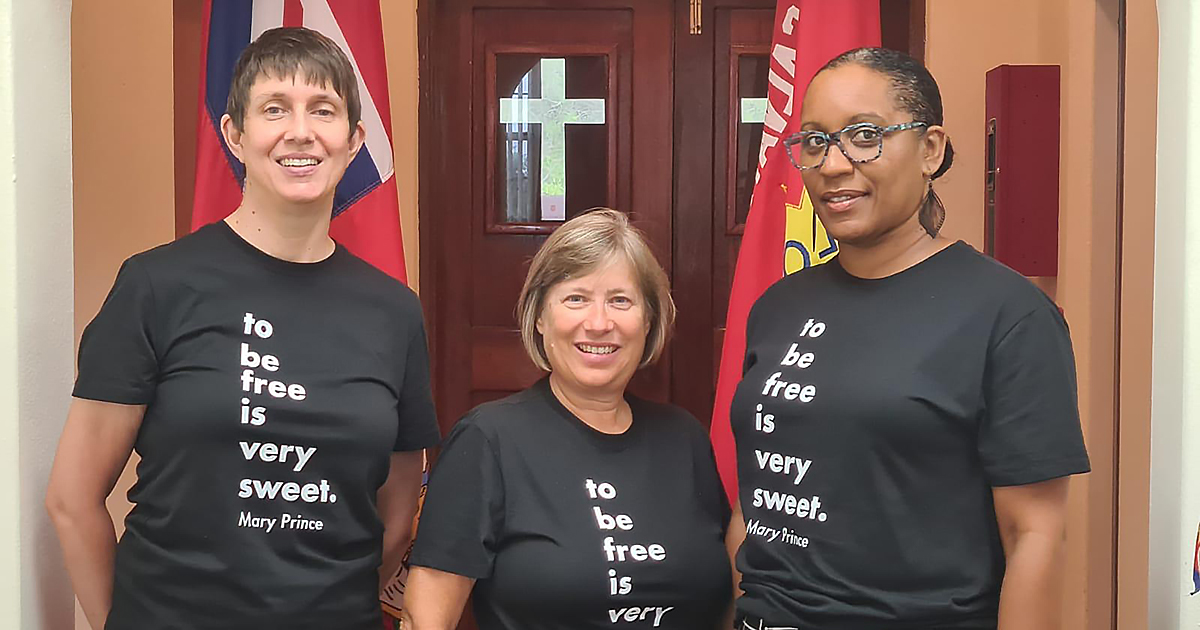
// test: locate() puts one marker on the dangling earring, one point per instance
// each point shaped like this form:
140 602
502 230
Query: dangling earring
932 214
938 208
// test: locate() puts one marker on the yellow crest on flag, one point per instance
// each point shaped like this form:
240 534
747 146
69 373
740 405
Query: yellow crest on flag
806 244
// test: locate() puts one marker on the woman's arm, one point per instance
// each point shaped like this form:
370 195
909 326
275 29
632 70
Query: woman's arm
734 535
92 452
397 501
1032 521
434 600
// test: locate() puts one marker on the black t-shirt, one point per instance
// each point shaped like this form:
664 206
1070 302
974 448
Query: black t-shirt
276 393
568 528
872 422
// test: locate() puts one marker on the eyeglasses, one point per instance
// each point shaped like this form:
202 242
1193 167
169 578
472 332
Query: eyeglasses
860 142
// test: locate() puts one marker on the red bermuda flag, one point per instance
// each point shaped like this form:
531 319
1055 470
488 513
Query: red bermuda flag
366 214
782 233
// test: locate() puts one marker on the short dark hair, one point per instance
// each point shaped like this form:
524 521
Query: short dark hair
290 51
917 93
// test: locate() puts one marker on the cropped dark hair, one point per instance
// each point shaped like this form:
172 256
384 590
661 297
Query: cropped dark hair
289 51
918 94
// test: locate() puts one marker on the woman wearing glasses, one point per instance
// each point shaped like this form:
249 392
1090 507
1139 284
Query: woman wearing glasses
907 417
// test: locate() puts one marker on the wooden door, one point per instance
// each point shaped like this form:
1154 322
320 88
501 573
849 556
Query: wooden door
541 110
720 92
681 101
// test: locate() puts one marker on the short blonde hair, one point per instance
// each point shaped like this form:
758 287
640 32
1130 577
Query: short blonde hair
579 247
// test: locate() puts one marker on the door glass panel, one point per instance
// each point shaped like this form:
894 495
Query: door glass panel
752 71
551 155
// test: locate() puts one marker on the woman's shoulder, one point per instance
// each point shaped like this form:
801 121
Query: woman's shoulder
804 281
162 263
374 280
496 418
978 287
667 418
975 273
668 412
208 246
178 251
807 285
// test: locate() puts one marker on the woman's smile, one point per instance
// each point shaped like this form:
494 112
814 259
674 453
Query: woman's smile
594 328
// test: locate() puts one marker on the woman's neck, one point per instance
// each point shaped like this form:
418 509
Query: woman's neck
605 412
295 234
891 253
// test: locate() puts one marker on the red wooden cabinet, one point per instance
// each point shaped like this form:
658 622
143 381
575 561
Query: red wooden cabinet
1022 168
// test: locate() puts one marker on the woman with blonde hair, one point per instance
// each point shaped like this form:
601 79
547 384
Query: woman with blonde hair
574 504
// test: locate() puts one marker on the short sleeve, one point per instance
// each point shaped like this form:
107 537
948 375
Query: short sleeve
117 359
708 482
749 358
1030 431
417 416
462 517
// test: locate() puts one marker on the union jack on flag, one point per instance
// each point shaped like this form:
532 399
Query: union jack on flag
366 216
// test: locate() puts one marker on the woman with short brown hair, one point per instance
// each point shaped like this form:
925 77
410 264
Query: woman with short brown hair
274 385
573 504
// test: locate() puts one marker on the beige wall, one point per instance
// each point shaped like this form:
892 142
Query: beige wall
1137 316
123 164
123 153
1175 471
35 303
965 40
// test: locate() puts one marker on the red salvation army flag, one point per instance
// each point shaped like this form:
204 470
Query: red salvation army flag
366 212
782 233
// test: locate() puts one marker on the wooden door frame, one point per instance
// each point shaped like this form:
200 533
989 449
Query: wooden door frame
1138 104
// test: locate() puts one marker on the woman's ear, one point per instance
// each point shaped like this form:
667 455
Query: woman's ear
357 139
933 149
233 137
